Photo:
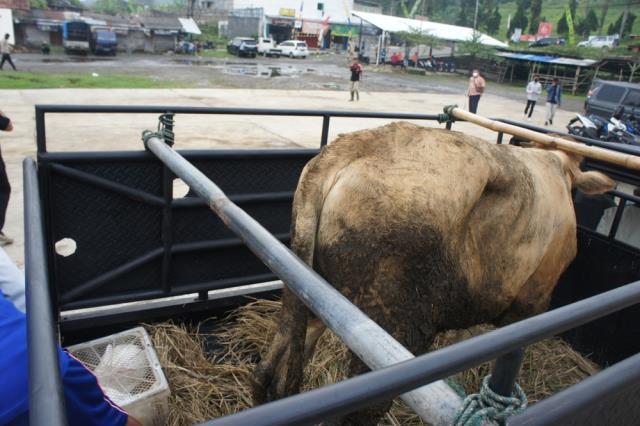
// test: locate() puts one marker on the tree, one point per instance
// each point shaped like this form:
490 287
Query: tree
520 18
604 14
614 27
493 21
587 24
536 9
39 4
465 15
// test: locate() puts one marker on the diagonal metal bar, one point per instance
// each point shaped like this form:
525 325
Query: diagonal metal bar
436 403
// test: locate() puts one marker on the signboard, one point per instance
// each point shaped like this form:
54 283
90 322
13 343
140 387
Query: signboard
572 32
343 30
544 29
287 12
515 37
6 24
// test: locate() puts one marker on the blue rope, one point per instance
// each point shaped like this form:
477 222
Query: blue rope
489 408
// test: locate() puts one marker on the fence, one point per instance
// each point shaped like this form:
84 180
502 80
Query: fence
364 390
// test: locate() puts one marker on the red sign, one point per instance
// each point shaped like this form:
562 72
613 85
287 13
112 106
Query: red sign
544 29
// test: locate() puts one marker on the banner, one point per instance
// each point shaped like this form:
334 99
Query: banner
544 29
572 32
515 37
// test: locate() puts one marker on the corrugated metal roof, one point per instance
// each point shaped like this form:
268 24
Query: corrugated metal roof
394 24
548 59
189 25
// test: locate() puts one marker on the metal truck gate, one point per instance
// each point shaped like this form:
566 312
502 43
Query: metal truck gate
87 186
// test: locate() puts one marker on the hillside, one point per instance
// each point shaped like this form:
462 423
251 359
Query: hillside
552 10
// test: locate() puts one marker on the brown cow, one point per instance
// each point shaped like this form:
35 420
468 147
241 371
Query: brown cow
426 230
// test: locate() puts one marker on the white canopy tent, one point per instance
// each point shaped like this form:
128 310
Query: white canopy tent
394 24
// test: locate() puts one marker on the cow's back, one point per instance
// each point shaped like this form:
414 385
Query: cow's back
436 225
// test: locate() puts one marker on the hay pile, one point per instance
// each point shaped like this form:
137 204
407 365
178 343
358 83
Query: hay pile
208 385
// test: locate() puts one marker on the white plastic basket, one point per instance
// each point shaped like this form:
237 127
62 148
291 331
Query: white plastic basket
128 371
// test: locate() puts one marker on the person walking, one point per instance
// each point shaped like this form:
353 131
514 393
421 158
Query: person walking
554 98
476 89
5 50
5 188
534 88
356 74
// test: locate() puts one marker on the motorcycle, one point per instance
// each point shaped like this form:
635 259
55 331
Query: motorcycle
595 127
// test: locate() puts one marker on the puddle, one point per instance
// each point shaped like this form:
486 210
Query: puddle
72 59
264 71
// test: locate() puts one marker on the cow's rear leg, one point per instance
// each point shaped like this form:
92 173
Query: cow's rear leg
279 373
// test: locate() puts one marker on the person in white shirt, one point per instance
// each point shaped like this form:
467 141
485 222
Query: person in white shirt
534 88
5 50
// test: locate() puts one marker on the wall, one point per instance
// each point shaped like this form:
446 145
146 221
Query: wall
243 27
134 41
337 10
31 36
6 24
163 43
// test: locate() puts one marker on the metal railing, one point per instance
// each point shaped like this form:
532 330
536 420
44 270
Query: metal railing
341 398
46 398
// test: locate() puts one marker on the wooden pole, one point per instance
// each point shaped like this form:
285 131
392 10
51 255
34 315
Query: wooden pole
575 81
620 159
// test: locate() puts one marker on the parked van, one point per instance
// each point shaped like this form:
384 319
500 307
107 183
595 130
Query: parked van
267 47
294 49
606 96
104 42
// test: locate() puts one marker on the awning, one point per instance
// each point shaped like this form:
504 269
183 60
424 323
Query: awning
189 26
547 59
394 24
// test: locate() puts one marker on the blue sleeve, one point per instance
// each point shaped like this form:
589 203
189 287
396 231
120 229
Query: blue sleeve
87 405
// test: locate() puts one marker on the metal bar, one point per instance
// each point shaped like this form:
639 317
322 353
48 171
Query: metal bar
218 244
505 372
436 403
380 385
617 218
46 402
598 389
142 109
146 157
187 202
41 135
84 177
449 125
325 130
167 227
500 137
99 281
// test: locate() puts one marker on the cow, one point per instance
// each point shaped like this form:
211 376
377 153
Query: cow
426 230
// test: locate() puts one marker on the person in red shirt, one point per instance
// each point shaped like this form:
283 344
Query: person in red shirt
356 74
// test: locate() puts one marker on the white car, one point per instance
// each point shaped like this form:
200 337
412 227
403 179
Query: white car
267 47
294 49
600 42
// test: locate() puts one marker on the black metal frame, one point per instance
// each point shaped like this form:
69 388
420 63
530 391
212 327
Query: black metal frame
364 390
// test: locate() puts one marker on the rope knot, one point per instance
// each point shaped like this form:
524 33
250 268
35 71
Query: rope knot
488 408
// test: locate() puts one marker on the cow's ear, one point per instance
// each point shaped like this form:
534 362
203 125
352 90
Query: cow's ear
593 182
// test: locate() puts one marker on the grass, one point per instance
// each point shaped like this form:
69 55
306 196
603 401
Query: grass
30 80
215 54
552 10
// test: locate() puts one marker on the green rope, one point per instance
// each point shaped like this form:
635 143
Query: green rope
489 408
165 128
457 387
447 117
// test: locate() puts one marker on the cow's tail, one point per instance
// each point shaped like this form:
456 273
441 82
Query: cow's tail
280 370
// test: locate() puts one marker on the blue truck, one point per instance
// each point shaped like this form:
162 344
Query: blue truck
76 36
104 42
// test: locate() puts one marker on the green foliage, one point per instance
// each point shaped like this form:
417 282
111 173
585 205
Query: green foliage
476 48
466 13
30 80
117 7
536 9
587 24
39 4
520 18
562 26
614 28
416 37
